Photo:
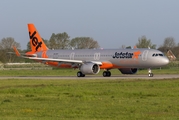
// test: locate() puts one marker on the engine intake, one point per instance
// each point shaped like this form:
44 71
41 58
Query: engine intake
128 70
90 68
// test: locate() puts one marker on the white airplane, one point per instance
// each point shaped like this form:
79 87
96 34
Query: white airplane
91 61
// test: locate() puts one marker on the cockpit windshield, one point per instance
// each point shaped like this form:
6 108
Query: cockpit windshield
157 54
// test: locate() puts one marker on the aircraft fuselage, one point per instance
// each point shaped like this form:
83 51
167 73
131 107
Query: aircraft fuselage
115 58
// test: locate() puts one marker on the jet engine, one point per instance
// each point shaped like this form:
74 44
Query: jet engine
90 68
128 70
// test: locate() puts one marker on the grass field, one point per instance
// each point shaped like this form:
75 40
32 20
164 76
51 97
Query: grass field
89 99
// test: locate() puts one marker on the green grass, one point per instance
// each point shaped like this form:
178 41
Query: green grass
89 99
72 72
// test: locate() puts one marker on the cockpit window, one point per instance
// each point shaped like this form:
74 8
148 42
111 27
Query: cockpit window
161 55
157 54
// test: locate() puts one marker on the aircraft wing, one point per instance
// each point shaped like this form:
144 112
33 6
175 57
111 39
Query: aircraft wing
65 60
34 57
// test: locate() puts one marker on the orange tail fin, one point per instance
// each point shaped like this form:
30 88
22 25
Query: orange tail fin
36 42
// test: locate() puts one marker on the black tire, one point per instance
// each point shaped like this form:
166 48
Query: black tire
104 74
108 74
79 74
151 74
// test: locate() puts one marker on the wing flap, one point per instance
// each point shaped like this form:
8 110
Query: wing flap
65 60
56 60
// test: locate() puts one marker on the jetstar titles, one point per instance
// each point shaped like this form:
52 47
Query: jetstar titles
123 55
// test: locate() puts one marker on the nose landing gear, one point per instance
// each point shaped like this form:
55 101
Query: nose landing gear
150 73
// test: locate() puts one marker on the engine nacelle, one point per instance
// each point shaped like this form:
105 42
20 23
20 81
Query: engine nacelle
128 70
90 68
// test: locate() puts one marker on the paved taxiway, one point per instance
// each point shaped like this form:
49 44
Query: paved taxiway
93 77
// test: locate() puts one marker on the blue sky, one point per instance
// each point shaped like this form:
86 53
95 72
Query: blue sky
112 23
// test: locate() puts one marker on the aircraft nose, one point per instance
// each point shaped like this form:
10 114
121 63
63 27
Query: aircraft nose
165 61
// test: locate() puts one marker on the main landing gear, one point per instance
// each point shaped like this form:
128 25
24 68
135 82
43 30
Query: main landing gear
80 74
106 74
150 73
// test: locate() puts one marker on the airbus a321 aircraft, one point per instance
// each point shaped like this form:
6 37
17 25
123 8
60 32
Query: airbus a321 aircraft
91 61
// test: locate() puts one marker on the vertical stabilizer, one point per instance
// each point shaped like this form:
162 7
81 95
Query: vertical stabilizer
36 42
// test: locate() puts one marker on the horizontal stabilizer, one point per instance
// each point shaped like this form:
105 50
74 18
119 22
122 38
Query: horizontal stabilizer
26 55
16 51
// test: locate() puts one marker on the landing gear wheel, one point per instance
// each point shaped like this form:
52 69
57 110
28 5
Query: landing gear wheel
106 74
80 74
109 74
151 74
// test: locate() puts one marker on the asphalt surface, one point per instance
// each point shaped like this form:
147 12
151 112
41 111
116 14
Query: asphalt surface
93 77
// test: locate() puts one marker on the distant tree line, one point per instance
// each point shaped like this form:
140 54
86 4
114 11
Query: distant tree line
63 41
